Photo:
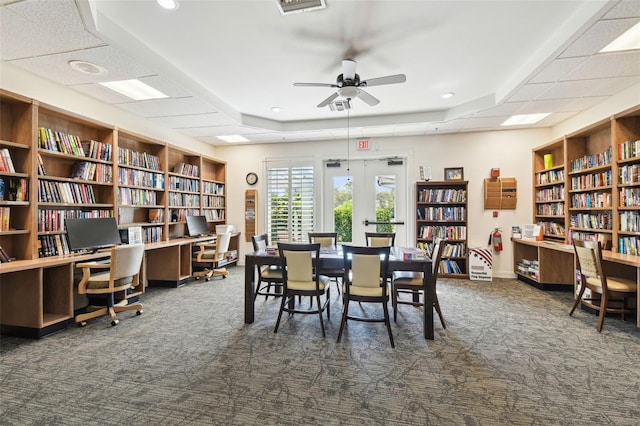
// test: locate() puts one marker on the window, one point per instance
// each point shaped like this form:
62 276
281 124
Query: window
290 201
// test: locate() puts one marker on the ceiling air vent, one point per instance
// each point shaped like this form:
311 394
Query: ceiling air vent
340 105
296 6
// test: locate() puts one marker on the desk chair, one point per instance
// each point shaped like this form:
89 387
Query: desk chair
379 239
365 280
327 239
210 256
404 282
267 275
589 255
122 274
300 279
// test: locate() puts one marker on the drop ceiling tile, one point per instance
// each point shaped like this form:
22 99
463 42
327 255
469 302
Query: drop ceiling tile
556 70
530 92
507 108
213 119
38 28
606 66
624 9
168 106
598 36
56 67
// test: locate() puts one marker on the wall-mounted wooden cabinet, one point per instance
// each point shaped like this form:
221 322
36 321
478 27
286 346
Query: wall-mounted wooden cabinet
64 165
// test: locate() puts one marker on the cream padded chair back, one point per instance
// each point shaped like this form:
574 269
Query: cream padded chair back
324 241
366 270
222 244
587 258
126 260
299 266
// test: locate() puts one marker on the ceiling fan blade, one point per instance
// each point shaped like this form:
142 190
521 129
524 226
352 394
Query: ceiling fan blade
328 100
349 69
315 84
372 101
390 79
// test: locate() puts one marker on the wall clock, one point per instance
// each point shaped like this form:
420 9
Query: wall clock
252 178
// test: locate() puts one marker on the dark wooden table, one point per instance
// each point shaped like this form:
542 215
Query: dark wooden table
331 257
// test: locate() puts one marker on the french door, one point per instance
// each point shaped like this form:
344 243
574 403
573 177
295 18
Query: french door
365 196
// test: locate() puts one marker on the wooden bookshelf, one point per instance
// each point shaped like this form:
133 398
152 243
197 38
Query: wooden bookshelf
549 192
441 212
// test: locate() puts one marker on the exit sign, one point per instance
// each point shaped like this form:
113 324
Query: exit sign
363 144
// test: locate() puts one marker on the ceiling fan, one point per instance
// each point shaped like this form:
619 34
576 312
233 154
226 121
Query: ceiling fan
349 85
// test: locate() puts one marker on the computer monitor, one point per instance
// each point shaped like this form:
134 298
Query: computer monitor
197 226
92 233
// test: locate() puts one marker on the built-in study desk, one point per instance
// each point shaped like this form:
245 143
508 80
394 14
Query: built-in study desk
557 265
36 296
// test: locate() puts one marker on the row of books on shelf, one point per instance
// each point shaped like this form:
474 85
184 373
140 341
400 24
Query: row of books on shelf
431 232
97 172
602 220
448 266
6 163
630 221
555 193
552 228
213 188
550 176
629 245
98 150
129 157
53 245
630 197
605 239
629 174
529 268
14 189
186 169
442 213
52 140
135 177
4 256
51 220
629 149
213 201
65 192
591 200
442 196
454 250
137 197
180 215
550 209
591 181
184 200
590 161
5 218
214 215
181 184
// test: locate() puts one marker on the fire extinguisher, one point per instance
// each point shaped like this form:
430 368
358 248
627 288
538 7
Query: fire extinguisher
496 238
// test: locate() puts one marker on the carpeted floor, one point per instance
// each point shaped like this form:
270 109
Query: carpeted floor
510 355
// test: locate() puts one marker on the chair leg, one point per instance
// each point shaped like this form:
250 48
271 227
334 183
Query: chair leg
282 302
387 322
320 314
394 304
345 312
578 299
436 305
603 311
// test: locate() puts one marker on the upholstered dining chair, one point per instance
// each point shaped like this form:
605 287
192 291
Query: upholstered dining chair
365 280
211 257
407 282
377 239
117 277
268 276
300 279
327 239
610 289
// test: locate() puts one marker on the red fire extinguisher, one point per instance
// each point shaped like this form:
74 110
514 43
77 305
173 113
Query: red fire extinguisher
496 237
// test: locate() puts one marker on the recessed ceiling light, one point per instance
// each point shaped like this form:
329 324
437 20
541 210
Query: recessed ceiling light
169 4
516 120
134 89
87 68
629 40
233 138
448 95
276 109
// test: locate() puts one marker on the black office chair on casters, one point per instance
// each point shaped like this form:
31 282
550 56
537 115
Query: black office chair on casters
120 275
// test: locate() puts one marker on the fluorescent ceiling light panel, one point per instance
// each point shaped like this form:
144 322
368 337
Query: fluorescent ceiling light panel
134 89
520 119
296 6
169 4
233 138
629 40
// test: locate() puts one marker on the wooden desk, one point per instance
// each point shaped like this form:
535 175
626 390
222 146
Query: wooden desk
331 258
557 265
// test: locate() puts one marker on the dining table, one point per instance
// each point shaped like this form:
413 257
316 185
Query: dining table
400 259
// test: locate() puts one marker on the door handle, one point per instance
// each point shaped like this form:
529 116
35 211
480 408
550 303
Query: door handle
368 222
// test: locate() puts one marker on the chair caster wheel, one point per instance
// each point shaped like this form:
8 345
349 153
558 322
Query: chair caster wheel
224 277
206 279
82 324
114 323
139 312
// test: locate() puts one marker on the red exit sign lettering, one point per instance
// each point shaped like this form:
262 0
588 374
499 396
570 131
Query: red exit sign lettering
363 144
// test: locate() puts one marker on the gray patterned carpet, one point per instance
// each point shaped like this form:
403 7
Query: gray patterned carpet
510 355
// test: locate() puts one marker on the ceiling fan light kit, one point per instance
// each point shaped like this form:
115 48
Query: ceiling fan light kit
350 86
288 7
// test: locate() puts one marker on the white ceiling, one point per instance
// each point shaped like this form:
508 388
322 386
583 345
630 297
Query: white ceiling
225 64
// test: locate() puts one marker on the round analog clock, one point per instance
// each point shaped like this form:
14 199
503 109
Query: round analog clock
252 178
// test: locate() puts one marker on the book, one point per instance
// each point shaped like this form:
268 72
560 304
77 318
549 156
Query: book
41 171
6 164
4 256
